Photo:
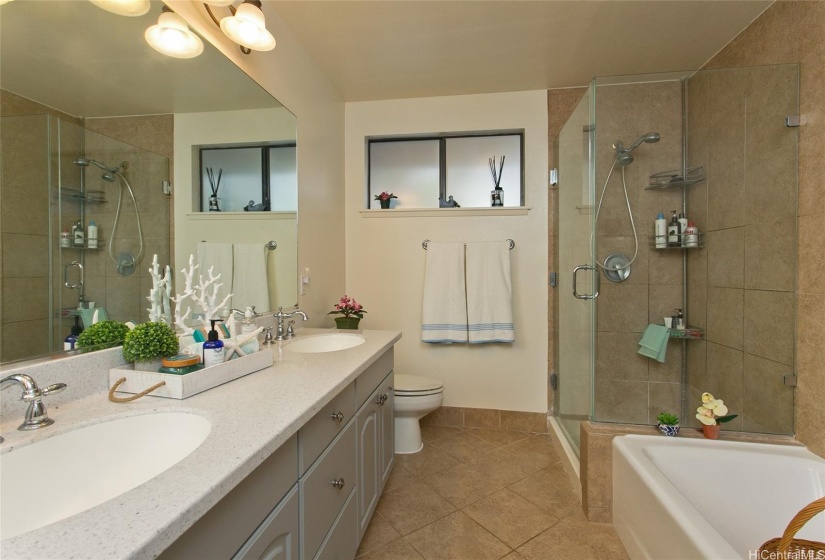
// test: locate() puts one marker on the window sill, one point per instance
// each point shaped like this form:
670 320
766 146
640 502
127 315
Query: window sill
444 212
231 216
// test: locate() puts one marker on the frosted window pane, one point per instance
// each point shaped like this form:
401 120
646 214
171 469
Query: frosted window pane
283 179
409 169
469 179
240 181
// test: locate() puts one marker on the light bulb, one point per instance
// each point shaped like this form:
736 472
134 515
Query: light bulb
248 28
172 37
131 8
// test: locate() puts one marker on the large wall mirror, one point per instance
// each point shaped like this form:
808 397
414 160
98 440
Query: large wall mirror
99 127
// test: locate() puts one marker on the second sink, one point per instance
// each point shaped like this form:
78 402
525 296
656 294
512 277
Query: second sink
325 343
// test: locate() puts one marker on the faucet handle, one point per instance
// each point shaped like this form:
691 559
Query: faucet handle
51 389
290 332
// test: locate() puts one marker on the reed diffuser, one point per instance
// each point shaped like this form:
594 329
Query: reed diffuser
214 184
497 194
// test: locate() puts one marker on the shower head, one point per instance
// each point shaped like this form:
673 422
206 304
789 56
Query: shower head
110 172
624 155
650 138
108 176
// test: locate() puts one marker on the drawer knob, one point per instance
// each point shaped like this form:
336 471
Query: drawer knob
337 416
379 401
339 483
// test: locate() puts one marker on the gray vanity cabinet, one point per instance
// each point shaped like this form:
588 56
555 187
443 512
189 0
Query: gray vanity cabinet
277 537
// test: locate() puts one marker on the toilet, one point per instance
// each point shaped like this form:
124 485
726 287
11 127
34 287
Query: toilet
415 397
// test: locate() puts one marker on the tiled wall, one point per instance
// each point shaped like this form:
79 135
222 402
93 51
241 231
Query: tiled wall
792 32
741 287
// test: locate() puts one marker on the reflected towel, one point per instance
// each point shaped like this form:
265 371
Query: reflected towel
94 315
249 283
489 292
654 342
217 256
444 314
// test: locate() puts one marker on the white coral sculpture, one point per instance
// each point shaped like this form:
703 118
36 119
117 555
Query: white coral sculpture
204 295
160 309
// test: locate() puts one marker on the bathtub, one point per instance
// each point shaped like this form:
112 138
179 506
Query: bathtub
686 498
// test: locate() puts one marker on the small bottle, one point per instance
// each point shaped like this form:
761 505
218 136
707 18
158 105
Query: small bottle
679 320
77 234
691 236
683 223
660 231
248 325
91 237
65 238
674 231
213 348
70 341
497 197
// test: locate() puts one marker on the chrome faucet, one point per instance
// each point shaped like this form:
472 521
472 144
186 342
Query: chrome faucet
282 334
36 414
243 313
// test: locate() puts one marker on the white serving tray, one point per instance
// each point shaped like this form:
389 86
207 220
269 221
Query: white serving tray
184 386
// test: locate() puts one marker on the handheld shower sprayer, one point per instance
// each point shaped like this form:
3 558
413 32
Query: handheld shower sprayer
623 155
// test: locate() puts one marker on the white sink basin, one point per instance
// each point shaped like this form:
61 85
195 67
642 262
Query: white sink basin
325 343
69 473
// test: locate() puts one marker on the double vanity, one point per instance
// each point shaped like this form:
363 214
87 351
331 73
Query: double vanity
292 466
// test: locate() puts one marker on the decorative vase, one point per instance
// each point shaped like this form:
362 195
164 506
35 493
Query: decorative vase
711 432
669 430
385 204
350 323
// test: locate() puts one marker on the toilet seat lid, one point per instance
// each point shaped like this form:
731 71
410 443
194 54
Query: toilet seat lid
405 383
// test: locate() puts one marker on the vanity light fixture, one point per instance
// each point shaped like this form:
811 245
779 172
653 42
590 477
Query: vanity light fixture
131 8
246 26
172 37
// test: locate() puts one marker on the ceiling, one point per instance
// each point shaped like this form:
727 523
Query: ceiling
388 49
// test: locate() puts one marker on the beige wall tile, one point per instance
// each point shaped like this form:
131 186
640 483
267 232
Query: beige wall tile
725 378
770 255
767 401
811 254
663 301
25 256
810 391
621 401
697 304
622 307
24 339
811 171
697 365
445 416
664 397
769 325
482 418
726 316
530 422
617 357
726 198
671 370
25 299
726 257
599 471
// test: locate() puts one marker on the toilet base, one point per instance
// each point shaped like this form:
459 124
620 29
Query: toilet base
407 435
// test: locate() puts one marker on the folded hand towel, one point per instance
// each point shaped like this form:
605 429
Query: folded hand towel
218 257
249 281
654 342
444 315
489 292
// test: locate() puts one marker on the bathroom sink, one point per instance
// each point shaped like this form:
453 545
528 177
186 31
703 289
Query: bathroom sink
325 343
74 471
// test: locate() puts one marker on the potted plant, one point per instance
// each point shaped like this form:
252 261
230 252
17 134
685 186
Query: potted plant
384 198
668 424
108 333
351 310
712 414
149 342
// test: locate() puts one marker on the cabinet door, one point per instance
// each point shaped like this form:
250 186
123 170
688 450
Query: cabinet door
368 422
277 537
387 430
341 543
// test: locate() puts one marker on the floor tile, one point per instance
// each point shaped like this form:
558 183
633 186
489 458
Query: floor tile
514 556
457 537
399 476
412 506
397 550
431 433
429 460
464 446
499 438
510 517
503 467
379 533
460 485
573 538
537 450
551 490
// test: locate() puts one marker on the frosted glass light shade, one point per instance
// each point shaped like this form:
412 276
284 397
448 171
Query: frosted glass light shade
172 37
248 28
131 8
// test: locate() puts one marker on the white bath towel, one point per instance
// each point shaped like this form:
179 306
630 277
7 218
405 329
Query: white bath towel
249 284
219 257
489 292
444 316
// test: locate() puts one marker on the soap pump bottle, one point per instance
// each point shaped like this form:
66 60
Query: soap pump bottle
674 231
70 342
679 320
660 232
248 325
213 348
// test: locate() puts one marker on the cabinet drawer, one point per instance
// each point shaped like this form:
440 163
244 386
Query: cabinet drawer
321 500
341 543
372 376
277 537
316 434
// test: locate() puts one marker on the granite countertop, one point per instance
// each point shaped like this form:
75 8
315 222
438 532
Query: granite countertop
251 417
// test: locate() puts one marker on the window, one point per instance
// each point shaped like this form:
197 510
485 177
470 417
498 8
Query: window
260 178
419 171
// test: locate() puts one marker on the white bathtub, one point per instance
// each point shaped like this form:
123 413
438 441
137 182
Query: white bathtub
685 499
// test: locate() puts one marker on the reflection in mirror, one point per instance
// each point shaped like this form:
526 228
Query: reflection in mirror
92 133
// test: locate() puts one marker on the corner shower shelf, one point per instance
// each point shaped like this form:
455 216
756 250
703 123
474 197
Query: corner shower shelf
82 196
700 242
689 333
85 247
677 178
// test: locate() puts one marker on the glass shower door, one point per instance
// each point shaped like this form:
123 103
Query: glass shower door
577 278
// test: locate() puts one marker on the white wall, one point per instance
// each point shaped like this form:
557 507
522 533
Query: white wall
385 260
292 77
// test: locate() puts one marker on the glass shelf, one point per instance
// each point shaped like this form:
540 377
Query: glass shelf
689 333
90 196
700 242
678 178
85 246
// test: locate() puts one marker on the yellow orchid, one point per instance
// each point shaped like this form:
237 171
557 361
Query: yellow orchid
713 411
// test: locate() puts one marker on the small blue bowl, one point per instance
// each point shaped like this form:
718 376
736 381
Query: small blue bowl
670 431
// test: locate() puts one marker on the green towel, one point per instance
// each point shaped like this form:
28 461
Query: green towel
654 342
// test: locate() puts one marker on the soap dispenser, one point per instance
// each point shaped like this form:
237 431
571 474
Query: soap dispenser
248 325
213 348
679 320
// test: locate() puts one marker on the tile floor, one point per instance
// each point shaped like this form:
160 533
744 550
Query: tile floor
479 494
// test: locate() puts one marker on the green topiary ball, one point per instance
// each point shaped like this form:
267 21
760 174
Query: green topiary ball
104 332
150 341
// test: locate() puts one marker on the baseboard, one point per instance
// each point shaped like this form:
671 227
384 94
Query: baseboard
513 420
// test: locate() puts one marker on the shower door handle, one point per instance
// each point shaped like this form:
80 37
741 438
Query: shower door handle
595 293
66 275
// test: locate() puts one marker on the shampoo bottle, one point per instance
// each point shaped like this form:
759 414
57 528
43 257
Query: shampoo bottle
674 232
660 231
91 237
213 348
691 235
248 325
683 224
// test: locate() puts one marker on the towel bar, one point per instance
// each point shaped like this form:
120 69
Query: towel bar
512 244
271 245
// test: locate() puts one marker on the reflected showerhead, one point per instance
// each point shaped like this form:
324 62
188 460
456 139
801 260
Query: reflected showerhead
624 155
108 176
82 162
110 172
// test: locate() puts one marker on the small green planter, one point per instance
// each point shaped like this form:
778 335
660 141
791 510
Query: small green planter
350 323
